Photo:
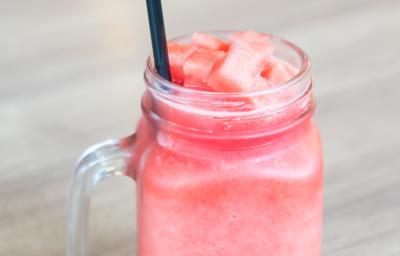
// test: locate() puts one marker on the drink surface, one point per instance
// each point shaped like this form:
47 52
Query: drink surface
228 196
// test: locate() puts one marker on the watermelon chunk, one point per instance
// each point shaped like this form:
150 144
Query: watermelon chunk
244 61
209 42
278 72
198 66
177 54
260 83
195 84
246 36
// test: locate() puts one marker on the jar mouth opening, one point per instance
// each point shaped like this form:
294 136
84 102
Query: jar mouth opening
159 84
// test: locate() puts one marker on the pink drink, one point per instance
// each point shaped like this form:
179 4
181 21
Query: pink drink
218 178
227 159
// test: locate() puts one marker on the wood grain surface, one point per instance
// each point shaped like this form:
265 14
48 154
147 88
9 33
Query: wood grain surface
71 76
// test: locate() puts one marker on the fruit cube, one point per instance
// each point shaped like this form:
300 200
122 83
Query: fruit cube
244 61
199 65
209 42
178 53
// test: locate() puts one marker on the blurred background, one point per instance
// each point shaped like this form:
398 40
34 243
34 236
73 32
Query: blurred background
71 76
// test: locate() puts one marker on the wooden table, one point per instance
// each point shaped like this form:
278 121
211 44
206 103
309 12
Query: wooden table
71 75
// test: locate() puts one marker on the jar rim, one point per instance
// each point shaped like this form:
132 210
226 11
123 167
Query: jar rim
167 86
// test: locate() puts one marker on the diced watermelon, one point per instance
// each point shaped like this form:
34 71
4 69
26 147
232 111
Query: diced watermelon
195 84
278 72
178 53
209 42
246 36
199 65
261 83
244 61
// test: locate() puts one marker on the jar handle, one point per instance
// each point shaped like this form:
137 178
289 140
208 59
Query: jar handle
103 160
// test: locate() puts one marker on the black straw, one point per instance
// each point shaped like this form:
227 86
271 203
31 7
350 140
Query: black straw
158 38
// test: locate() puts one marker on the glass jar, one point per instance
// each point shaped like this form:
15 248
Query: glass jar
216 175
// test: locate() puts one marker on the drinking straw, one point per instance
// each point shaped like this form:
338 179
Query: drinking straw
158 38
